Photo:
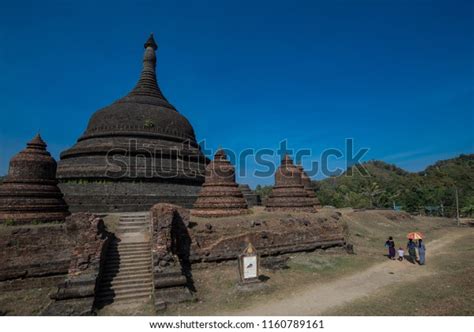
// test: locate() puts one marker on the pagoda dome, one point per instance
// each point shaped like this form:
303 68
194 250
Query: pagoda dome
33 164
29 193
135 143
144 111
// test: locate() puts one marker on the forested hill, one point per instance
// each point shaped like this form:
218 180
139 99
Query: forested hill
378 184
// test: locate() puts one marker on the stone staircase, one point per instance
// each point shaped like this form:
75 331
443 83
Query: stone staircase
127 274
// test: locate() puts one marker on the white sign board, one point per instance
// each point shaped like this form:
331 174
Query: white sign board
250 267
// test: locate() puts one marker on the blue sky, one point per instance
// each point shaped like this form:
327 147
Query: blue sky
396 76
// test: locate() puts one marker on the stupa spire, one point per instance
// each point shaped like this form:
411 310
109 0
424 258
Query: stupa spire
151 42
37 143
147 84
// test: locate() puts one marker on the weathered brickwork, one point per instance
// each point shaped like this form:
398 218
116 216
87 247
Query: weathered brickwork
308 187
220 195
170 248
213 239
34 251
250 196
76 294
289 194
29 193
32 256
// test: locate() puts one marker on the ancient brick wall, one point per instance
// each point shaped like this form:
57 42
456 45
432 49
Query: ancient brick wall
34 251
31 256
75 296
207 240
170 252
126 196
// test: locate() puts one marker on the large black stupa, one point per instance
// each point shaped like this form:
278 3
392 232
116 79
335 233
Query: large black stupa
134 153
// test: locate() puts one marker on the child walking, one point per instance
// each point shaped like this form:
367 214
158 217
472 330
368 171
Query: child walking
401 254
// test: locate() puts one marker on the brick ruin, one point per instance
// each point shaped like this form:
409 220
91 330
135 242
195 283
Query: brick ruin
250 196
41 244
220 195
289 194
308 186
171 243
180 240
29 193
68 254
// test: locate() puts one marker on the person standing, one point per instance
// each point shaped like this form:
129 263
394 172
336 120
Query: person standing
421 252
411 246
390 244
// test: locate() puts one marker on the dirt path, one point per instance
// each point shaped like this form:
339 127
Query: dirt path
314 301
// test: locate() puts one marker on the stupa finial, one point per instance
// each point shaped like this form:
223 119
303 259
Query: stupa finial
37 142
148 85
151 42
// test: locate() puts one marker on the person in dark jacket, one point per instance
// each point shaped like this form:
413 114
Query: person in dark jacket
390 244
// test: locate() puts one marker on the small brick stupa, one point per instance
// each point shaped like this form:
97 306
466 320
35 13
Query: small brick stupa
289 194
220 195
250 196
306 181
29 192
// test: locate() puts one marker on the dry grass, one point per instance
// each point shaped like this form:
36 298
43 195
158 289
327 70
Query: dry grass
450 291
128 309
216 284
26 302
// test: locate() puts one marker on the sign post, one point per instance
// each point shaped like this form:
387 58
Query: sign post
249 265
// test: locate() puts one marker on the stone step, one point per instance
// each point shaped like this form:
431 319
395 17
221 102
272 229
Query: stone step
111 270
124 276
120 288
134 215
131 221
125 251
133 269
134 223
129 259
132 231
129 249
133 281
129 254
133 244
107 298
124 248
119 256
123 268
117 293
132 228
117 265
